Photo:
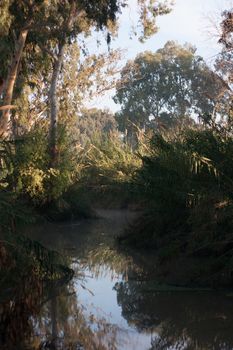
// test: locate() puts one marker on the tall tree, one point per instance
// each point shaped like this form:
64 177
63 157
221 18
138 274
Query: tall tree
80 17
224 67
18 19
164 87
54 24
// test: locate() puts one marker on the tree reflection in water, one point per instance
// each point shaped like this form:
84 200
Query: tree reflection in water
178 320
64 325
55 317
17 309
51 320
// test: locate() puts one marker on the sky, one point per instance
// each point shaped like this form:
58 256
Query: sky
192 21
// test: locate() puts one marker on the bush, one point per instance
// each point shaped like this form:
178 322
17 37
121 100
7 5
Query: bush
108 168
186 186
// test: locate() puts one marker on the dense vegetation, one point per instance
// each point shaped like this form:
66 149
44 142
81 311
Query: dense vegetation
46 74
45 128
168 152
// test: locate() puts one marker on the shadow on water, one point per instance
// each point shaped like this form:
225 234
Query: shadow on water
109 304
178 320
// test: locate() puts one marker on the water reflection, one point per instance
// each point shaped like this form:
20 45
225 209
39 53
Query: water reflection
53 320
178 320
109 305
62 324
17 309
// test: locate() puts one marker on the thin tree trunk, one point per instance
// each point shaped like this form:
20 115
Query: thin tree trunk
10 82
53 88
54 104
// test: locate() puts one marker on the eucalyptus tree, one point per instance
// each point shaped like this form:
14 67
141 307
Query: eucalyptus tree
18 19
81 17
51 26
72 18
165 87
224 67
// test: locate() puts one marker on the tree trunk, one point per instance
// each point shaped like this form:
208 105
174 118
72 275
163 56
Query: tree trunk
10 82
53 88
54 104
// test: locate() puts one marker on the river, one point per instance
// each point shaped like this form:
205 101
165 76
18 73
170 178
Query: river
113 302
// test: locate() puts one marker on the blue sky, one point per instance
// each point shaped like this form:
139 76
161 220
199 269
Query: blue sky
192 21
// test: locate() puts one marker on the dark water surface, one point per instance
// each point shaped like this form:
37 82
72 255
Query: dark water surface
110 304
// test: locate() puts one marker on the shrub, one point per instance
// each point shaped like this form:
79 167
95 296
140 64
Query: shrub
186 186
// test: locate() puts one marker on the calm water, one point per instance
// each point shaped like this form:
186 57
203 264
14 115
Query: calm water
110 304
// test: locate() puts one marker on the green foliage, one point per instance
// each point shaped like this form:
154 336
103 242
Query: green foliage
27 179
26 170
93 122
110 160
186 185
163 89
108 167
36 34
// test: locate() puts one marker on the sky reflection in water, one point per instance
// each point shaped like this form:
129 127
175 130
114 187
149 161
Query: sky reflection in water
110 306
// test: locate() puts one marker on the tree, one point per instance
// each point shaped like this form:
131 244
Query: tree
51 26
95 122
83 79
165 87
224 67
80 17
18 18
226 30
